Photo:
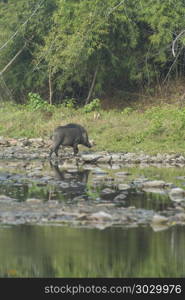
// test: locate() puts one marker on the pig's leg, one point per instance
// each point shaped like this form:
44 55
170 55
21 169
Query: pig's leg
55 149
75 149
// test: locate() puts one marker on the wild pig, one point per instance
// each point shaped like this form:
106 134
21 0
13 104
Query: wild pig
69 135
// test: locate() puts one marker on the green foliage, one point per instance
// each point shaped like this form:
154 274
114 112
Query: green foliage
70 103
181 117
35 102
94 105
156 115
126 45
157 126
127 111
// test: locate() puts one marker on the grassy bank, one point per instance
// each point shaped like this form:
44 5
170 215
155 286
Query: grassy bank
157 129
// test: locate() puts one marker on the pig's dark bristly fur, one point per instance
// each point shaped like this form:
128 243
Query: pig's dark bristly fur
69 135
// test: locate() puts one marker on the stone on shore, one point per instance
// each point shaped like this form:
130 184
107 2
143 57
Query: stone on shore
154 184
177 194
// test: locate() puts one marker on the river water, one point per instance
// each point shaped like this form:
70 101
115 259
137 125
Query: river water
55 251
79 249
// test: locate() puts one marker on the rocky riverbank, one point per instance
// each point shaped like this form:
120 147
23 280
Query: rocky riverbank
39 148
80 191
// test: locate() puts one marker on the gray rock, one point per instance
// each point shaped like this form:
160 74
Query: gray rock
46 178
154 184
140 180
177 194
159 227
154 190
181 159
180 217
34 174
100 216
129 156
115 167
120 197
122 174
64 185
180 177
78 198
3 141
4 177
4 198
90 157
123 186
105 159
98 171
107 191
34 200
158 219
116 157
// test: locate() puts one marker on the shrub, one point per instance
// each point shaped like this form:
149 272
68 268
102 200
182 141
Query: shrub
127 111
70 103
35 102
94 105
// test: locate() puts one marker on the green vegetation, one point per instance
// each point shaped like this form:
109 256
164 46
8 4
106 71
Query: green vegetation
88 49
35 102
157 129
59 60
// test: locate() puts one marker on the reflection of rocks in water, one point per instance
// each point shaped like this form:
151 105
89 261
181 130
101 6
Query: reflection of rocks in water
73 181
58 193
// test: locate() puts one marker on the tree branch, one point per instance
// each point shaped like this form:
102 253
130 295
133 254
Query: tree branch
92 85
175 40
171 67
23 24
115 7
12 60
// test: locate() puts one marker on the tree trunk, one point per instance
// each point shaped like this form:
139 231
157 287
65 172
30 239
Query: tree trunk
92 86
50 89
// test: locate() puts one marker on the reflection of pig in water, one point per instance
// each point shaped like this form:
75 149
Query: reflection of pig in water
69 135
68 176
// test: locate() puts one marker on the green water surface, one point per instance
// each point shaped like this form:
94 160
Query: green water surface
54 251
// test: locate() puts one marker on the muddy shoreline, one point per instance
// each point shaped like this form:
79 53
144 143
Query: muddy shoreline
74 200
